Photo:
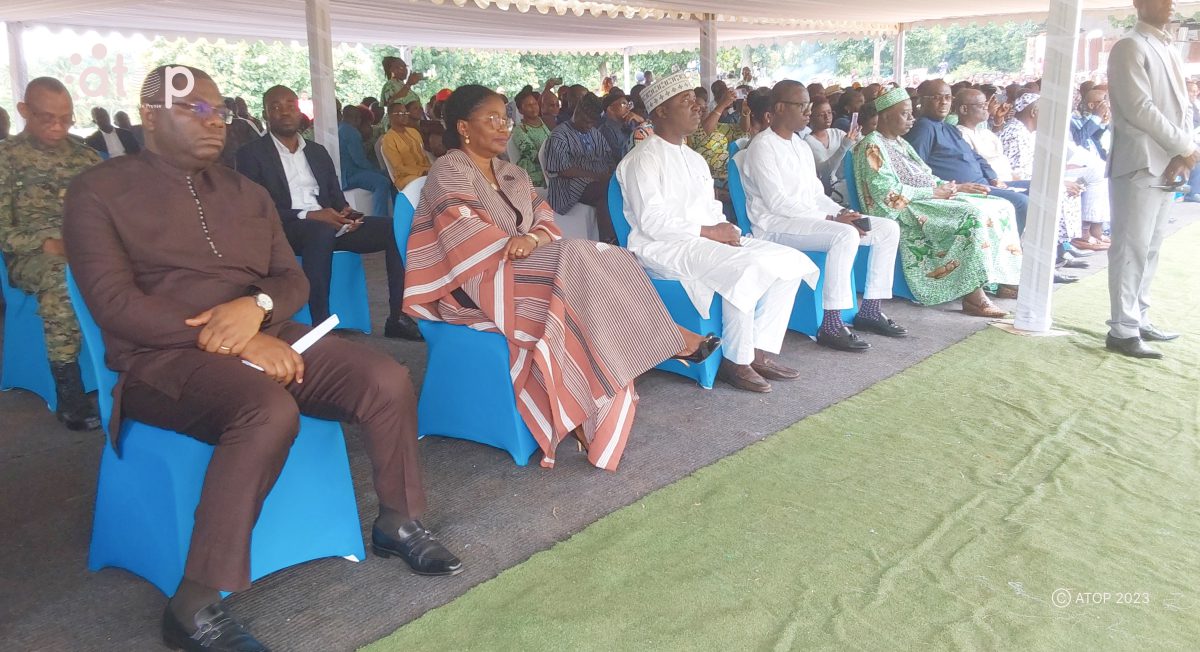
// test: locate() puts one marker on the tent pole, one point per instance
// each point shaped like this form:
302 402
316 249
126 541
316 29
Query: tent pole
708 51
876 57
898 54
320 68
626 79
1040 238
18 71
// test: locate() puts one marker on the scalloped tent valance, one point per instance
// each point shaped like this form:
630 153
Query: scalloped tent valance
548 26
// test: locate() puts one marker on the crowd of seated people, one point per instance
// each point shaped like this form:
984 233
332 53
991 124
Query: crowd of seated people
936 170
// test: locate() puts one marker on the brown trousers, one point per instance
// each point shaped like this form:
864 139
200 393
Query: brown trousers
253 420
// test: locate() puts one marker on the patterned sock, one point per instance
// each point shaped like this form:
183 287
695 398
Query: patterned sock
832 323
869 309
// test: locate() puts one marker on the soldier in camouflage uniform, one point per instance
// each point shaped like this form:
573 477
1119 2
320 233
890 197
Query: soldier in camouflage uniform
35 168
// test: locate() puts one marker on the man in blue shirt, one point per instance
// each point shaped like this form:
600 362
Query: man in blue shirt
357 171
950 157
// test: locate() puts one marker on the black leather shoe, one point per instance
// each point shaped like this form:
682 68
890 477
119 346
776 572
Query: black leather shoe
1151 334
216 631
881 325
1133 347
402 327
706 347
417 546
844 340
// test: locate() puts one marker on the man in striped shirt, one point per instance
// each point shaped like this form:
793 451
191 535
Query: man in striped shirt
579 165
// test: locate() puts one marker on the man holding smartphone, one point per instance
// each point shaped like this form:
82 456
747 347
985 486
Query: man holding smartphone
303 183
786 204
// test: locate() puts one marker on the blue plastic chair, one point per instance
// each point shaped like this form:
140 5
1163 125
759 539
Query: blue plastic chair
26 363
347 294
808 311
899 283
676 299
147 493
464 364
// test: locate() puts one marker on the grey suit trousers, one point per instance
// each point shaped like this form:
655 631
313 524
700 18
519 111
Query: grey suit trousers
1139 221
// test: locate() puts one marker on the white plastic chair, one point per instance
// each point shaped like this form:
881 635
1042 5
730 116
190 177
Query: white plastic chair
387 165
360 200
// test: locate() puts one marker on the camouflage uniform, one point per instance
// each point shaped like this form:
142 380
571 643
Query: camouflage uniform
33 182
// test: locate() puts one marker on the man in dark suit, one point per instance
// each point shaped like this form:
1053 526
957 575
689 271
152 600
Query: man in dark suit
111 141
303 183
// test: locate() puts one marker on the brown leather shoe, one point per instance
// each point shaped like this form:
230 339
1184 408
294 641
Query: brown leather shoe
769 368
984 308
742 376
1091 244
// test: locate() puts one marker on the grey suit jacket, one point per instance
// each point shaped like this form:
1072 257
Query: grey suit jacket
1151 121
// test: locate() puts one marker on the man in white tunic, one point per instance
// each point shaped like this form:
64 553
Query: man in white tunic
786 203
677 230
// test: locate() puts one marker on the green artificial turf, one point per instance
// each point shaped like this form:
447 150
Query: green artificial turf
939 509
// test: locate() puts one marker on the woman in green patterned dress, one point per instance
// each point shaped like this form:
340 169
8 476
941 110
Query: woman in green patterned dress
953 238
529 134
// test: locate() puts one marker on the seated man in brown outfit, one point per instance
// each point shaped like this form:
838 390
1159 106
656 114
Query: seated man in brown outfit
185 266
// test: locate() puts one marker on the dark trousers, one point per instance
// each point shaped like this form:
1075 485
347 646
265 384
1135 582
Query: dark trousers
596 196
1019 200
315 242
252 421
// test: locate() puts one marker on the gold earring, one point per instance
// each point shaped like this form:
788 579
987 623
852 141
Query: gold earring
468 140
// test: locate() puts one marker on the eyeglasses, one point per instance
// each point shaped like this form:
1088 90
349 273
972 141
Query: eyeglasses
48 119
202 110
804 106
499 122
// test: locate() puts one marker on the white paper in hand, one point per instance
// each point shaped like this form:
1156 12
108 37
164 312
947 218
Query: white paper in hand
310 338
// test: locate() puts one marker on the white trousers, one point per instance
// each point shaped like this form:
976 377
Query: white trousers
1095 197
1139 222
743 332
841 242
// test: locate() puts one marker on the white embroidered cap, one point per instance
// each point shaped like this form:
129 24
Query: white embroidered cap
667 87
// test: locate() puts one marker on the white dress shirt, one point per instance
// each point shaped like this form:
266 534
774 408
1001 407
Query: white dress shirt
988 145
780 177
300 179
113 142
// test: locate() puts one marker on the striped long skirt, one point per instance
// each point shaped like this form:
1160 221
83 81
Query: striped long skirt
582 321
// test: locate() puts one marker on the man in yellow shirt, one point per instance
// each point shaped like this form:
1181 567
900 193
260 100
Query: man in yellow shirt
403 152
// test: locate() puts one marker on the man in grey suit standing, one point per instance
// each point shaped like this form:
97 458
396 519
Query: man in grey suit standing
1152 146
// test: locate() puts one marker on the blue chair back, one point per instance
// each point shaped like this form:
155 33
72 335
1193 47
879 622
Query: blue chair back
106 378
403 213
737 195
851 186
616 212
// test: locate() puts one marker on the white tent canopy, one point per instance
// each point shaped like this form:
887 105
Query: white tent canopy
526 25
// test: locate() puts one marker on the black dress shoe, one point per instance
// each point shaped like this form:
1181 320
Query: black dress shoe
402 327
844 340
1151 334
417 546
703 350
1133 347
881 325
216 631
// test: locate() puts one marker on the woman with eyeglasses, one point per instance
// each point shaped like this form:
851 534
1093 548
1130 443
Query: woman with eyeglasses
581 318
951 243
828 143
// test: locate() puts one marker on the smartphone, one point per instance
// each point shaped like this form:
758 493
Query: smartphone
741 93
853 122
863 223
